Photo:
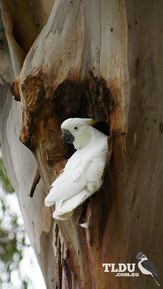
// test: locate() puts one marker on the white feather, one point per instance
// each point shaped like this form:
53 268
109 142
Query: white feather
84 225
82 175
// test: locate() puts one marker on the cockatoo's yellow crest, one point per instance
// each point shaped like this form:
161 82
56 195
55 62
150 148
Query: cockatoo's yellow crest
92 121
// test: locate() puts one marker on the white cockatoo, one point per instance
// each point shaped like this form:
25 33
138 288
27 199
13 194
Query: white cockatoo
83 172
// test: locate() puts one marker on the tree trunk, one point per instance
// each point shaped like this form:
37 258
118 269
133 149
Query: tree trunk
97 59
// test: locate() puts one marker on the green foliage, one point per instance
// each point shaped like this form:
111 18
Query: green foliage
12 236
4 179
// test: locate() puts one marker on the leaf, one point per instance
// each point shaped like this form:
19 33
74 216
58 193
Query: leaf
4 179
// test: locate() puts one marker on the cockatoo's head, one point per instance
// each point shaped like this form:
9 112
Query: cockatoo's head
77 131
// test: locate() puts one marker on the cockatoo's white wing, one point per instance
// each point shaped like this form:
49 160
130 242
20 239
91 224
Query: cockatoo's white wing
64 187
69 205
95 175
67 185
93 184
83 171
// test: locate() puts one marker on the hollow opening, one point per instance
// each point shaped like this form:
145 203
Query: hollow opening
103 127
88 99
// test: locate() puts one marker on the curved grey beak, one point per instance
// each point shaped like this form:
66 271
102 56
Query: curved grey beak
67 137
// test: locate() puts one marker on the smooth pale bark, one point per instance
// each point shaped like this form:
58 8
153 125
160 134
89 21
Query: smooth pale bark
100 59
23 20
21 167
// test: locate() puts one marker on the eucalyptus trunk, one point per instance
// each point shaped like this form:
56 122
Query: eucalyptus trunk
100 59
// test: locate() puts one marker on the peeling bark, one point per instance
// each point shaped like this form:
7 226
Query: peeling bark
23 21
96 59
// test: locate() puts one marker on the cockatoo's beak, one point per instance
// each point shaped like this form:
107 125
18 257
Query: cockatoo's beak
67 137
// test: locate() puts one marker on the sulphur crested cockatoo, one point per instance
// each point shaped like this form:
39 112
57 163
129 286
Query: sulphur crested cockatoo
83 172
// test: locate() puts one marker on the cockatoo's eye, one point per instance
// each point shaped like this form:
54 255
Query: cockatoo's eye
75 127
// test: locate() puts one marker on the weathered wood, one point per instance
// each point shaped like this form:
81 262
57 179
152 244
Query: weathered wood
99 59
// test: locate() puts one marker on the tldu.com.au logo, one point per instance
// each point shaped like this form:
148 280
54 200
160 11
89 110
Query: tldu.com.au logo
128 270
120 269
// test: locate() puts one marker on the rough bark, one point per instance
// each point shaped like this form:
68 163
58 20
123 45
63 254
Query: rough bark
97 59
